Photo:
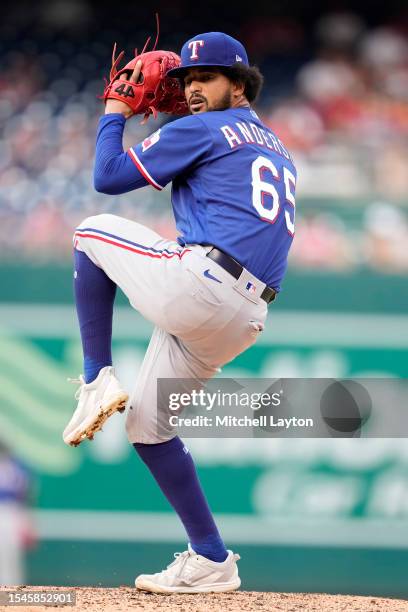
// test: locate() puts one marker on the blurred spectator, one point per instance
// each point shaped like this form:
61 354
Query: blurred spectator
16 527
339 32
332 81
384 55
386 237
289 118
322 243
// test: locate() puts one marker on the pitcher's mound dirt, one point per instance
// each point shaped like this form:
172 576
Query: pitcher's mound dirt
126 598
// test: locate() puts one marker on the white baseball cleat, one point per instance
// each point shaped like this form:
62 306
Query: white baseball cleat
97 401
192 573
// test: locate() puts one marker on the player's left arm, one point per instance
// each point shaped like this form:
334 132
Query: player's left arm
174 149
114 171
177 148
156 161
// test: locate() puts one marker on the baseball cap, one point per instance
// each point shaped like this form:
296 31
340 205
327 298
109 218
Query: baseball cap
210 49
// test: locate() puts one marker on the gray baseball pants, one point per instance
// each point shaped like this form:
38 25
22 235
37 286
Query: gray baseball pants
200 323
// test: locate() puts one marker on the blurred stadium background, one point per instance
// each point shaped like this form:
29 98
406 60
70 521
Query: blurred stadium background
306 515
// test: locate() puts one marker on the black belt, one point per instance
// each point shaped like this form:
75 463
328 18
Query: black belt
235 269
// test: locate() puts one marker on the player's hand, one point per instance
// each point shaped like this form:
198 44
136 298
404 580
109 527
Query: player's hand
116 106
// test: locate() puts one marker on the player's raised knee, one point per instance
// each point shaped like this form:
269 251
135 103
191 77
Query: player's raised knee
102 221
88 226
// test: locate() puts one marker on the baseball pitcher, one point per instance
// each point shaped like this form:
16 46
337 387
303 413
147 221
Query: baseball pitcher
233 198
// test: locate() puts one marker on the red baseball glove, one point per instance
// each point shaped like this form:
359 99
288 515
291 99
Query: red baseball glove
153 92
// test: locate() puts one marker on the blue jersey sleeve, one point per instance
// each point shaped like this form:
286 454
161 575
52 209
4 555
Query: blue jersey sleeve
172 150
114 172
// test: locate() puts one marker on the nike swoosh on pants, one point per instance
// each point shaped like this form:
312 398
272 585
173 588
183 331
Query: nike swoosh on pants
208 274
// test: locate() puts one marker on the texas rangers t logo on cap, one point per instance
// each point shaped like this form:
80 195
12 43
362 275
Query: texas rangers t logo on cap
209 49
193 45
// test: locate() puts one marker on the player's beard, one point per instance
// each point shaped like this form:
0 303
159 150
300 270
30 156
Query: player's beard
221 104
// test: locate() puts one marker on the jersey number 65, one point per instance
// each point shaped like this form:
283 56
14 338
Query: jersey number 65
261 189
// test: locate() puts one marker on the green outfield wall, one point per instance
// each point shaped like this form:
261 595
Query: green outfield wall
362 291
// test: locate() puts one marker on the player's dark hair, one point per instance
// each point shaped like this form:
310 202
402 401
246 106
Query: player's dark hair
249 76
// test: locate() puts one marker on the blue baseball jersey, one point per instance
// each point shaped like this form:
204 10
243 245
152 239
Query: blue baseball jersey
233 186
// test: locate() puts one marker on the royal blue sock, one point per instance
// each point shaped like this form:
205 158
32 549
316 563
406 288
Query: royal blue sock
173 468
94 296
